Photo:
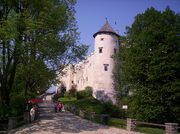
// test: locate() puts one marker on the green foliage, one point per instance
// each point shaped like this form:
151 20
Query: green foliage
67 94
117 123
149 66
73 90
90 104
4 112
84 93
56 96
149 129
31 95
88 91
37 38
112 110
67 99
17 104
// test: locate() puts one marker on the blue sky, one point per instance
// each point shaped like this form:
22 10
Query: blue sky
91 15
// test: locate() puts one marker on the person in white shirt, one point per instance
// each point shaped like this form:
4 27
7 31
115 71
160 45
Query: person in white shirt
32 113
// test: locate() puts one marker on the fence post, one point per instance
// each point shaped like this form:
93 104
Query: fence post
26 117
171 128
104 119
131 124
12 122
91 115
81 113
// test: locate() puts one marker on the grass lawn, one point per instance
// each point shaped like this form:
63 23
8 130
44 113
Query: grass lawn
88 104
150 130
117 123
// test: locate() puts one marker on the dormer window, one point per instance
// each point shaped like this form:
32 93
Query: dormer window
102 39
100 49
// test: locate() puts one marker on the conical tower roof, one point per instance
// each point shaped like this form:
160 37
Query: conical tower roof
106 29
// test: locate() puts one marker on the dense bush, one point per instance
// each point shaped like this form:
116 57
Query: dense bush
88 90
112 110
56 96
17 104
84 93
4 112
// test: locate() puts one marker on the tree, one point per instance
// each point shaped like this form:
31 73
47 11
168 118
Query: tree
36 38
151 66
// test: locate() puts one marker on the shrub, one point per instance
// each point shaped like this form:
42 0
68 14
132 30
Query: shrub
81 94
31 95
4 112
67 94
88 90
84 93
56 96
112 110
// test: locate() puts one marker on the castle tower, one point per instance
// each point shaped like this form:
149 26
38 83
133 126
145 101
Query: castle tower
106 45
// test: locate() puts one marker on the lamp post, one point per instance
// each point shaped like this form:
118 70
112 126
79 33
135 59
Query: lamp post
125 107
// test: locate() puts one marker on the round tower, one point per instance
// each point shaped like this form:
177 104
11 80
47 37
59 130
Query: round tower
106 45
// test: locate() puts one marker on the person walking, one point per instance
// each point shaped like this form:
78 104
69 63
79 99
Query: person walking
55 106
63 109
74 109
60 106
32 113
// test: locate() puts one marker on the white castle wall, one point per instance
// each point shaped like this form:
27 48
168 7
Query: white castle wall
104 79
83 73
91 72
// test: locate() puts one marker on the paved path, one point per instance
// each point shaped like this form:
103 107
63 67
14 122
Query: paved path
64 123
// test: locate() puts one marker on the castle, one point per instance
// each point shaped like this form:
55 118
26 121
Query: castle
97 68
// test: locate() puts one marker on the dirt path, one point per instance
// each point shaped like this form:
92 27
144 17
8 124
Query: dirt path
64 123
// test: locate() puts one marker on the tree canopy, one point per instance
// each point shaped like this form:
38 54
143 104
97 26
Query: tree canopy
37 37
149 66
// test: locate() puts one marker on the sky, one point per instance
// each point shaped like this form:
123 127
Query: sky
91 15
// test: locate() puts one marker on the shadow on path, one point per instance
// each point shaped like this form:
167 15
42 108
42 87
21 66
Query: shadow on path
50 122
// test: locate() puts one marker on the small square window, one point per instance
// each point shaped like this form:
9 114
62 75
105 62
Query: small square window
115 50
106 67
100 49
102 39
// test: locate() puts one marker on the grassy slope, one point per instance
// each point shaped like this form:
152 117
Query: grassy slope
92 105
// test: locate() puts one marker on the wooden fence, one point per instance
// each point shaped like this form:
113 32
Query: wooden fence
170 128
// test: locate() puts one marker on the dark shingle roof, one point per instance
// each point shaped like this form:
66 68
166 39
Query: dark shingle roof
106 29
